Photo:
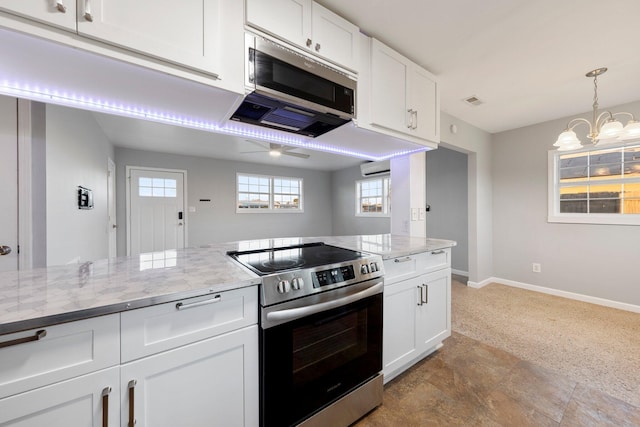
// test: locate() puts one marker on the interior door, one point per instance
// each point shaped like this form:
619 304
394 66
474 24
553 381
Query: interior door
9 183
156 216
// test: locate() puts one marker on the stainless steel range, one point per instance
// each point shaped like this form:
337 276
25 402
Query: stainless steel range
320 333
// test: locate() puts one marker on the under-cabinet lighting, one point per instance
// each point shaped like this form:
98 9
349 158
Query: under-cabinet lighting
65 98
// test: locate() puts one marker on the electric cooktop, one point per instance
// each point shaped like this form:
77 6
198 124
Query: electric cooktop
274 260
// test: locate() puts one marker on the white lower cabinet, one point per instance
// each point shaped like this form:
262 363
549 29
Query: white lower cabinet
87 401
211 382
417 312
188 363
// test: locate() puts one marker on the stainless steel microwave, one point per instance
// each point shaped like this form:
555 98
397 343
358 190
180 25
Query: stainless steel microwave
292 92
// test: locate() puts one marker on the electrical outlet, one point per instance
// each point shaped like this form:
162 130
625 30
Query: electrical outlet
536 267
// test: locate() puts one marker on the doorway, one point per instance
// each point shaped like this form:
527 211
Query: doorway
156 219
447 198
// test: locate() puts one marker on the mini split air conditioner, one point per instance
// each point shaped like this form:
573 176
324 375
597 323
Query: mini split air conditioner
382 167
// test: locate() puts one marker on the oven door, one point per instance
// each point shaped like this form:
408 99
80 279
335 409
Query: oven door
311 360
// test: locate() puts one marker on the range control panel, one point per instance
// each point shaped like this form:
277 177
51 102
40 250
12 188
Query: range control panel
334 275
294 284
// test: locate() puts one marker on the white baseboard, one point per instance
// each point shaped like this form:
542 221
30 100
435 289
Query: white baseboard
481 284
571 295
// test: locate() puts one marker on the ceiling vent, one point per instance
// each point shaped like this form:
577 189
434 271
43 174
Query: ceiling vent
473 100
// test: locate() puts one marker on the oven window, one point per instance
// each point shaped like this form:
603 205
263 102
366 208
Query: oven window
327 344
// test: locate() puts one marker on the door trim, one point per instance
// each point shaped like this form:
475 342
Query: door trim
127 186
25 208
112 208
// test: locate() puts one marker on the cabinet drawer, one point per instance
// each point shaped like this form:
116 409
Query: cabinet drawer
162 327
62 352
405 267
427 262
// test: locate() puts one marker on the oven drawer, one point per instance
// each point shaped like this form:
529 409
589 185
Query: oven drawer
405 267
166 326
43 356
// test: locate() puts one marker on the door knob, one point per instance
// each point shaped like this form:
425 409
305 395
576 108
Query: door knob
5 250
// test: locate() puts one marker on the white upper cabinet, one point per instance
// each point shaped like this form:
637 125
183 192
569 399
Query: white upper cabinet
403 98
309 26
181 32
289 20
61 13
334 38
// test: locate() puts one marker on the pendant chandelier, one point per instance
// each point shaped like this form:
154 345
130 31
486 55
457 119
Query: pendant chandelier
603 129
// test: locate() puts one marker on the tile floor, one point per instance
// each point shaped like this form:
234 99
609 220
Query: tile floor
468 383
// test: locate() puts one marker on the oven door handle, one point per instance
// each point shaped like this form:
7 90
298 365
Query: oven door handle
281 316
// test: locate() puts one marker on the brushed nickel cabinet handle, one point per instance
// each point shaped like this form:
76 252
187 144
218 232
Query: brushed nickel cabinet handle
309 42
61 7
87 11
405 259
105 406
132 417
317 47
437 252
410 124
37 337
183 306
420 296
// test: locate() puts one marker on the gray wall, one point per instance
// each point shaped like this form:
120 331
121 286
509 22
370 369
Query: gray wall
217 221
447 195
594 260
76 152
345 221
477 145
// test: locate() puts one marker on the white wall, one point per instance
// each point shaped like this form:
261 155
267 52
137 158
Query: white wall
344 219
594 260
217 221
447 195
477 144
77 153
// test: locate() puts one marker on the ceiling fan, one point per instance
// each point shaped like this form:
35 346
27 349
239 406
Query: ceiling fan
276 150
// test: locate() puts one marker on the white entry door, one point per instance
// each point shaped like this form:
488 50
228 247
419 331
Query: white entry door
8 184
157 216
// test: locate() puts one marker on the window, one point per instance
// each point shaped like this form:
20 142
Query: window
372 197
156 187
598 185
257 193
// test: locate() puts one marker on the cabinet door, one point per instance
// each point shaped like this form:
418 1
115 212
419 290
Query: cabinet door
61 13
399 325
434 314
182 32
425 102
214 381
78 402
389 71
286 19
334 38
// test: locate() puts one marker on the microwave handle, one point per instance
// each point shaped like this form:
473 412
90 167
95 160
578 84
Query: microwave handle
300 312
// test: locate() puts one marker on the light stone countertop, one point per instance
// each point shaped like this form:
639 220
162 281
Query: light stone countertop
45 296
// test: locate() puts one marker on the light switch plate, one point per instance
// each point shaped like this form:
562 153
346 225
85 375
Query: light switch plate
414 214
422 214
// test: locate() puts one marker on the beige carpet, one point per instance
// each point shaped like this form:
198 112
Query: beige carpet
591 344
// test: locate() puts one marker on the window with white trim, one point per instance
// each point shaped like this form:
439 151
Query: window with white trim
596 185
372 197
260 193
